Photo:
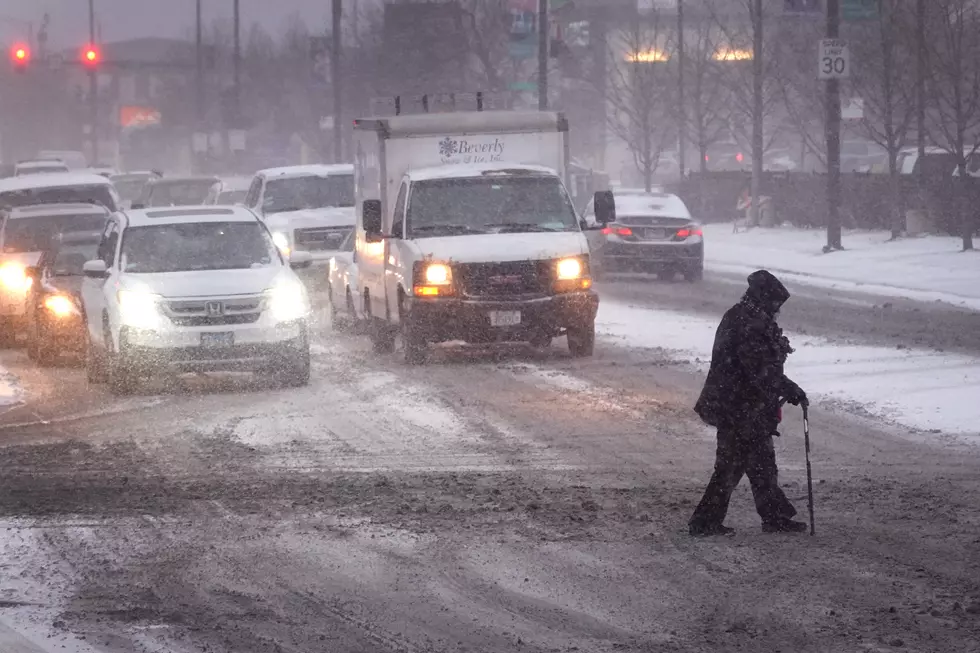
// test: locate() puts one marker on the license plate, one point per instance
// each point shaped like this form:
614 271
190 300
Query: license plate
654 233
217 339
505 318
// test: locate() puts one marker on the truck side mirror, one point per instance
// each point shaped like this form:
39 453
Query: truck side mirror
605 207
371 216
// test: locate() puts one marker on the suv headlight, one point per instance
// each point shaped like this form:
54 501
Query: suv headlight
281 241
14 277
288 302
139 309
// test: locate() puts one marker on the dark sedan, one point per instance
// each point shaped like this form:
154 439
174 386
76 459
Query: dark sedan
55 325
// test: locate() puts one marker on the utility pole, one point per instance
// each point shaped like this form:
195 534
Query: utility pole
93 88
758 144
920 84
237 63
543 55
199 82
335 74
833 140
681 111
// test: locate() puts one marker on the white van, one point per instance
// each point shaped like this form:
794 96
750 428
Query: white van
465 231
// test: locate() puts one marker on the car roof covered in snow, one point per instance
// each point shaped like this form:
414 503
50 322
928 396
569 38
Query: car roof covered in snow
235 183
651 204
313 170
190 179
53 180
67 208
189 214
470 170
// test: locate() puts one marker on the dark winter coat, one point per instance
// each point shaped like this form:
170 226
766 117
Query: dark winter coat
746 381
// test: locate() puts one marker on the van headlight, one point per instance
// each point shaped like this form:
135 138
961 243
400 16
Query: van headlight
569 268
139 309
287 302
438 274
281 241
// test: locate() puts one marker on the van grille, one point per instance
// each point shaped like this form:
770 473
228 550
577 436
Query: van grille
511 279
320 239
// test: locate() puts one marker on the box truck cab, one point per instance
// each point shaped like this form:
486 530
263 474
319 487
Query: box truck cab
466 231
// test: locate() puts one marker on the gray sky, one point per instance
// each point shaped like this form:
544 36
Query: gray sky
122 19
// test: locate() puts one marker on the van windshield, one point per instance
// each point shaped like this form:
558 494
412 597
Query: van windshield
489 205
94 194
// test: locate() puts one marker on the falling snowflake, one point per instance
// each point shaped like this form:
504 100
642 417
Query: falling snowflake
447 147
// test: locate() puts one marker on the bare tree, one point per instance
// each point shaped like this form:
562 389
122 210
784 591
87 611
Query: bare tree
954 88
640 93
708 97
885 81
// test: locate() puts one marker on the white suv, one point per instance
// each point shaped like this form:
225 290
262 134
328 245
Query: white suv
193 289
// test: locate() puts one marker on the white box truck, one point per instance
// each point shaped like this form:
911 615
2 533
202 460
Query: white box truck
465 231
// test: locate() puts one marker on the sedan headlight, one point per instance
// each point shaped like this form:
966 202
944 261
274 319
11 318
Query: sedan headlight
60 306
569 268
281 241
288 302
14 277
139 309
438 274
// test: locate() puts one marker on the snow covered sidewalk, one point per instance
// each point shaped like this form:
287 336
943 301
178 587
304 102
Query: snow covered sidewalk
930 268
926 391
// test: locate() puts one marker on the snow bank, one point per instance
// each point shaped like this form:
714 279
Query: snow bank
11 392
918 389
925 269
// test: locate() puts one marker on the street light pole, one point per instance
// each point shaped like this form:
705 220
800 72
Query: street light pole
335 74
93 89
758 139
681 112
920 84
543 55
833 140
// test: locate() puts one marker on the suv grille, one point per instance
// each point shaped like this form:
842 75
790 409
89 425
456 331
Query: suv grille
320 239
511 279
215 311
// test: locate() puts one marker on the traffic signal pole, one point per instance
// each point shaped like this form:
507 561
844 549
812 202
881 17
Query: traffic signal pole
833 122
543 52
93 89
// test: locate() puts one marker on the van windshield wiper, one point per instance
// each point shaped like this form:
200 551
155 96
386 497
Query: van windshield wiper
508 227
458 228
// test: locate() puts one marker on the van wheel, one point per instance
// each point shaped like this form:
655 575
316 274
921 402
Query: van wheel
382 337
581 340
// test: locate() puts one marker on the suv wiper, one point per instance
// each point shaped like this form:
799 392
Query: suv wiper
510 227
461 228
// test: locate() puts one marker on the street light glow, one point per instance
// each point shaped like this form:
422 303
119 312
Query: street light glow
651 55
732 54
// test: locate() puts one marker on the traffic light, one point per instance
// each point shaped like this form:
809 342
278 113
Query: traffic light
90 56
20 55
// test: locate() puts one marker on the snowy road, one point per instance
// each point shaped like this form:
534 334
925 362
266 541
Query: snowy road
506 501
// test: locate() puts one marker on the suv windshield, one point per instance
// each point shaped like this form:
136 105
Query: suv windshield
35 234
197 246
102 194
311 192
70 258
486 205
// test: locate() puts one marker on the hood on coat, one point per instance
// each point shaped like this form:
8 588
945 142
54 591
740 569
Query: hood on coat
767 291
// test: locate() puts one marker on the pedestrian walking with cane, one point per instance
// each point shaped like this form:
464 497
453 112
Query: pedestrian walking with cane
742 398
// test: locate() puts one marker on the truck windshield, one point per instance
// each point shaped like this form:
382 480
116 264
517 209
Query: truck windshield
489 205
313 192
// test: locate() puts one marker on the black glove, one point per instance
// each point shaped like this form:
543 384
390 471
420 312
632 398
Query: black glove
796 396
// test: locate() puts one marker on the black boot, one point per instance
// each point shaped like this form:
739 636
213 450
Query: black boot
700 530
784 526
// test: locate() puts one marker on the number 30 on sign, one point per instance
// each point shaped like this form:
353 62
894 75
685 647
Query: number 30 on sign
835 60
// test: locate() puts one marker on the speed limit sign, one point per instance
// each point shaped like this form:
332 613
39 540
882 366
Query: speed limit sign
835 60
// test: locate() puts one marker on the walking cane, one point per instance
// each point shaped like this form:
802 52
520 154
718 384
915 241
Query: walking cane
809 472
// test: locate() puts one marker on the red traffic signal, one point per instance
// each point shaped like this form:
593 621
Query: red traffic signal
90 56
20 54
